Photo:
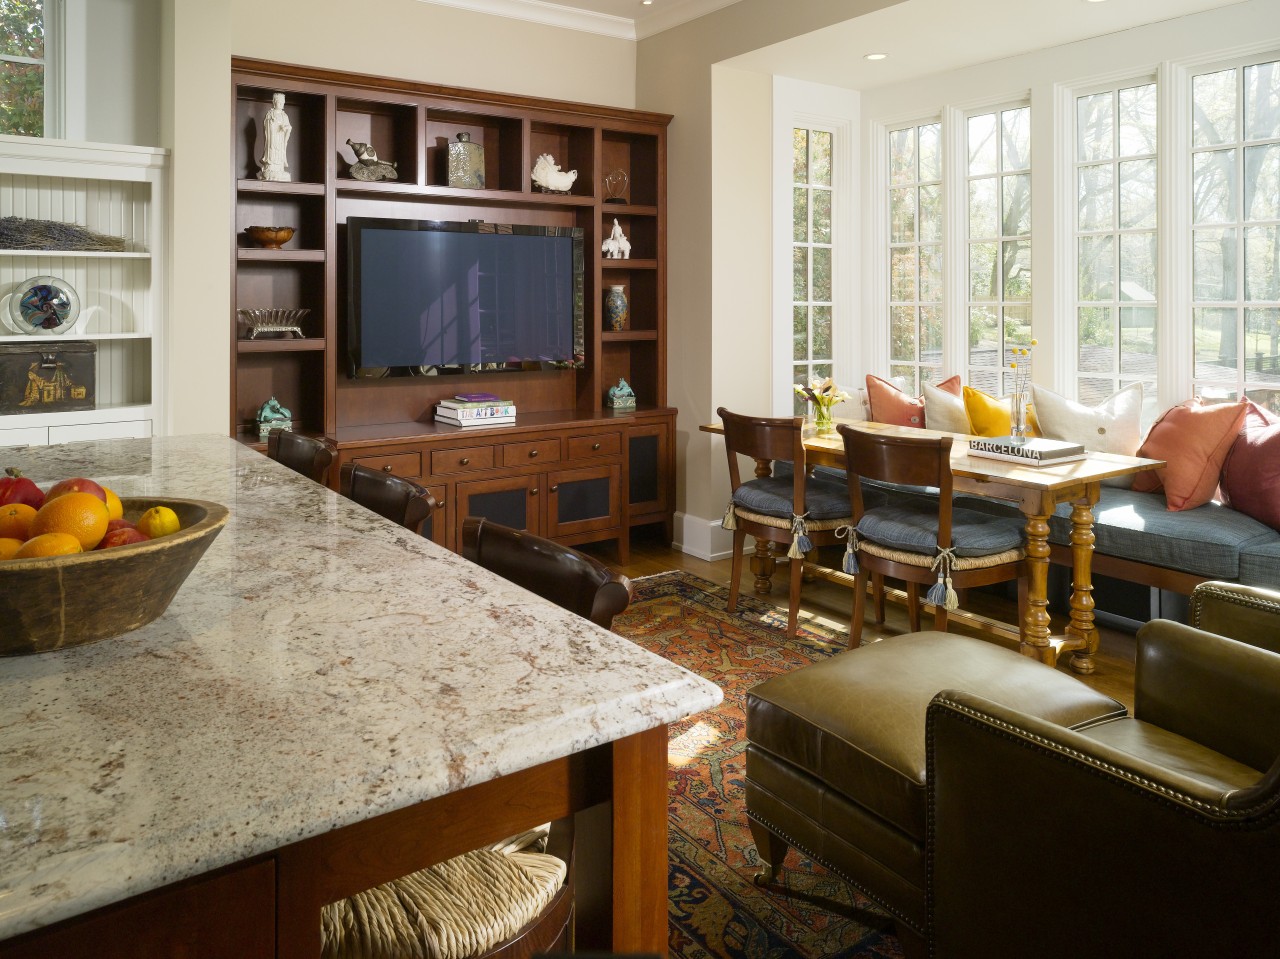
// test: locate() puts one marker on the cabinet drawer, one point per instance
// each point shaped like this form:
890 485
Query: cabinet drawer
526 454
593 446
400 464
461 460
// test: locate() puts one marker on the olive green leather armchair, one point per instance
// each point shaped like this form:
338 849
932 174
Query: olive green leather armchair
1156 834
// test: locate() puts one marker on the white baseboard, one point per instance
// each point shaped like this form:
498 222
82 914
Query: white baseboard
703 538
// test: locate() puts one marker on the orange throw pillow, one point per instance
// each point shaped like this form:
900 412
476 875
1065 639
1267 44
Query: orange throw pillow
1194 440
893 407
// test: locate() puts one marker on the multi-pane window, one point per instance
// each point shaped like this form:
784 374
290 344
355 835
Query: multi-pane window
998 152
811 255
1235 216
915 253
1116 248
22 67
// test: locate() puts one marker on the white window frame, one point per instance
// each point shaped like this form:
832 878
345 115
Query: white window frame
54 64
839 117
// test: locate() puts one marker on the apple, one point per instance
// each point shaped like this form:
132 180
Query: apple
115 524
77 484
16 488
122 537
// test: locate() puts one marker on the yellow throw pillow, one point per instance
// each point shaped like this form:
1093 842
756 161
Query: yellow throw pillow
989 415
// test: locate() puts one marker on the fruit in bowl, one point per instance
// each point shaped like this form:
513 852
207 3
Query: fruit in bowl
53 583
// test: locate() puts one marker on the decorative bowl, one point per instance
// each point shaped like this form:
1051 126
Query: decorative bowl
271 323
43 305
61 601
269 237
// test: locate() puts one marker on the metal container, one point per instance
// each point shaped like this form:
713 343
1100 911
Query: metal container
466 163
47 376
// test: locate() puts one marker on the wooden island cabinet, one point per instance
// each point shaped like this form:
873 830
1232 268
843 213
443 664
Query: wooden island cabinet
569 468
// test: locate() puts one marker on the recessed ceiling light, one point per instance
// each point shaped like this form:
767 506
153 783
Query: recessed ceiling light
874 56
646 3
1095 1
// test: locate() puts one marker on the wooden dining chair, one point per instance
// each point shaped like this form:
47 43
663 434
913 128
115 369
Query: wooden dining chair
918 539
302 454
783 506
570 579
391 497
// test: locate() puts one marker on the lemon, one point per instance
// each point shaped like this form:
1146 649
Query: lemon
158 521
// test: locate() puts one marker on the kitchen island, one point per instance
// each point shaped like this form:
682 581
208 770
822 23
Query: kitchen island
328 703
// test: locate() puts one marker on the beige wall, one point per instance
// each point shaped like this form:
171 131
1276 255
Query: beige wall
713 284
398 38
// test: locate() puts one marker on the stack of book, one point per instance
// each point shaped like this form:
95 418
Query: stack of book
1033 451
475 409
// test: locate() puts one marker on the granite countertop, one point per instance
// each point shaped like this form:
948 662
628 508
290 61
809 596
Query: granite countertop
320 666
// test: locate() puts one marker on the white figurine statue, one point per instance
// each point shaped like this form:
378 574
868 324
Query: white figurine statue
617 246
275 135
548 176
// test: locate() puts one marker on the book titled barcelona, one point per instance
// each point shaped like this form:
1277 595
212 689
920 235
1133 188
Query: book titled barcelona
1034 451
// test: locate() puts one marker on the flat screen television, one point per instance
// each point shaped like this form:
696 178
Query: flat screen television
434 296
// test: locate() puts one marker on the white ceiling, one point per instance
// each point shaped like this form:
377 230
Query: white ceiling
921 37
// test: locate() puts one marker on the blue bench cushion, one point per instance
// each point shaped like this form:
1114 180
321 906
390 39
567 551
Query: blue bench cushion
1260 564
914 527
771 496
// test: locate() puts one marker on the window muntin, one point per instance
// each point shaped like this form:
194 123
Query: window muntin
998 187
915 253
1235 232
811 257
1116 241
23 67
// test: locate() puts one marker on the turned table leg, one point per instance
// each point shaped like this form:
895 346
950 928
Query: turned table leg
1082 625
1035 628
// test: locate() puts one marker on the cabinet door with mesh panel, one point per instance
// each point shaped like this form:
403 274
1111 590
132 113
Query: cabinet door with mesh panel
514 501
583 500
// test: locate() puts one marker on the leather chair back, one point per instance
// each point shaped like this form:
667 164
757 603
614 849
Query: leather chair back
571 580
302 454
391 497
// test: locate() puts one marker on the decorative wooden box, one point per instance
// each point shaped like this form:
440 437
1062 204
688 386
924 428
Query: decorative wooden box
47 376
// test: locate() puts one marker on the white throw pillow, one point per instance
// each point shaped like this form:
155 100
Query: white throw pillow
944 411
1113 426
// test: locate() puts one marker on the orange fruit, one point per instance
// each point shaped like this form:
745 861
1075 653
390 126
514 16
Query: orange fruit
8 547
158 521
15 521
114 508
49 544
81 515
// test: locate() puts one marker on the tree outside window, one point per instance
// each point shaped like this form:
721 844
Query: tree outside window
22 67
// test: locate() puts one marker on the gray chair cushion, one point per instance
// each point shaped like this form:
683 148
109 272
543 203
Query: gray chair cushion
1260 564
771 496
914 527
1205 541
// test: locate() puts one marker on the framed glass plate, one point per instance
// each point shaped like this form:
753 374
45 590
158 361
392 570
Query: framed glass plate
43 305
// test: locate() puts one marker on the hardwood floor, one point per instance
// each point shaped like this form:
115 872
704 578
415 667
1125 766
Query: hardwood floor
830 605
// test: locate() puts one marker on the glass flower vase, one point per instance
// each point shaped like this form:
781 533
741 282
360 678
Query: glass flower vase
1018 416
823 420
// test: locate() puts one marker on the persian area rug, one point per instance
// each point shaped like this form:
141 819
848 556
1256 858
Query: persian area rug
716 910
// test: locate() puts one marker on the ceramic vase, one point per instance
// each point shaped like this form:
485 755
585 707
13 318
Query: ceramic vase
466 163
616 309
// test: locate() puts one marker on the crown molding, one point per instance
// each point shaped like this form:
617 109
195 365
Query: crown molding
671 15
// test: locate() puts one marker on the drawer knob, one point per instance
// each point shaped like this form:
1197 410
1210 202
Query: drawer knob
595 446
555 488
532 454
386 469
534 491
465 460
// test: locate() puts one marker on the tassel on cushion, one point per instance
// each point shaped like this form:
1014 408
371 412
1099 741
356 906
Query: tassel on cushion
850 535
800 542
730 520
952 601
937 594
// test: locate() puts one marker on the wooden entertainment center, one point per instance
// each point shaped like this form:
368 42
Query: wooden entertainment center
569 468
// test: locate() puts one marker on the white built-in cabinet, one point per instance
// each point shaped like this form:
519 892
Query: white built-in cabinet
115 190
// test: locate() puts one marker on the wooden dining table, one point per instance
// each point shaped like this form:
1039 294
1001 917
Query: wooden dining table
1037 491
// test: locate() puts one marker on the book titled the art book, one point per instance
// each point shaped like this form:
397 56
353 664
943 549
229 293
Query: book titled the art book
1034 451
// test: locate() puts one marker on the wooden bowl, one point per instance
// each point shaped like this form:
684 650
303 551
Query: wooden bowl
61 601
269 237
